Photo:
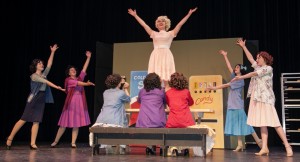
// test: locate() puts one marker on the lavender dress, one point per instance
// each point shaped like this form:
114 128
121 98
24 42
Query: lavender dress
152 111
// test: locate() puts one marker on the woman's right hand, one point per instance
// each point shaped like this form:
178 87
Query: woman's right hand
222 52
126 85
132 12
241 43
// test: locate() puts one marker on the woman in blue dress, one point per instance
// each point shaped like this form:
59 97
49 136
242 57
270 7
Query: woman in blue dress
236 119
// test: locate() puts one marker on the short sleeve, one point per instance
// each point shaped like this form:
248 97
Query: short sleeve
37 78
254 65
139 96
152 34
46 71
124 97
190 99
172 33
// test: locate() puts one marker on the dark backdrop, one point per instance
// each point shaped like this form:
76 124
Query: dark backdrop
29 27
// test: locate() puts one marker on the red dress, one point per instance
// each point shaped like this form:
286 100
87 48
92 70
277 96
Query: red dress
180 115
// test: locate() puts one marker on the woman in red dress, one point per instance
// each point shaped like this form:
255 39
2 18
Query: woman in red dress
179 100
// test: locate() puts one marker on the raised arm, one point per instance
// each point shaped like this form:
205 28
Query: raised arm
50 60
87 61
126 86
179 25
224 53
140 21
242 44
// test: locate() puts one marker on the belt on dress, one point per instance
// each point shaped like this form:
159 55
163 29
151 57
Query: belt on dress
162 46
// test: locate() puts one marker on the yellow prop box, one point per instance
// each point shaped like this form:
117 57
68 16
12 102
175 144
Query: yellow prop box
209 100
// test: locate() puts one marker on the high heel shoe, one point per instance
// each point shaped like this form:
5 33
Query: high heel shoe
239 148
186 152
262 152
54 144
175 152
149 151
8 147
289 151
33 147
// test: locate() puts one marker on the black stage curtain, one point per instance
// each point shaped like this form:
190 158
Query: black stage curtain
30 27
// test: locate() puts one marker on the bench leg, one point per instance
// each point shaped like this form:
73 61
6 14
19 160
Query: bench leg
165 151
96 149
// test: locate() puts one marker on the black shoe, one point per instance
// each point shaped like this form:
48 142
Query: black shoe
186 152
175 152
8 147
149 151
33 147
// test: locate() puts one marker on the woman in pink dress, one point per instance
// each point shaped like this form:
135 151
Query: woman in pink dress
262 112
161 60
75 112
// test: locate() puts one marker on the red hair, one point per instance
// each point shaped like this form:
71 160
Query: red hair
267 57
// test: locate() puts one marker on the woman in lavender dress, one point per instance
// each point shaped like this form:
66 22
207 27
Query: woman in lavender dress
152 111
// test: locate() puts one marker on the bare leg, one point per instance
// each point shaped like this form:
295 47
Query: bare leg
14 131
282 135
34 132
59 133
74 136
264 136
240 144
257 140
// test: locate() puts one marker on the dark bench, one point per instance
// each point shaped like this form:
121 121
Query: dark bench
149 136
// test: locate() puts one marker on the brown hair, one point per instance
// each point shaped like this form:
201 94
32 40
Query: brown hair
151 82
267 57
178 81
33 65
113 80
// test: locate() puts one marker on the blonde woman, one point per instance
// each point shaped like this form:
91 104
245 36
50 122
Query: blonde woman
161 60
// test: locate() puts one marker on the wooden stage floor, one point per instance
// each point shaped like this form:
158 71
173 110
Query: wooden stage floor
83 153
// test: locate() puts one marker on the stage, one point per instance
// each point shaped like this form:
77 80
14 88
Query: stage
21 152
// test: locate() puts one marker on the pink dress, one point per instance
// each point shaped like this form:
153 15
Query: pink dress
75 111
161 59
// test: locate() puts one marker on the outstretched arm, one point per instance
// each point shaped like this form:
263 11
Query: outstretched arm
140 21
249 75
88 83
87 61
224 53
53 49
218 87
179 25
54 86
242 44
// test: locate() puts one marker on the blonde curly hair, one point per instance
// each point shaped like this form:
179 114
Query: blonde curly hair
166 19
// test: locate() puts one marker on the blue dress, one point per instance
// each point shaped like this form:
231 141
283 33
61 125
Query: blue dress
113 109
236 118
